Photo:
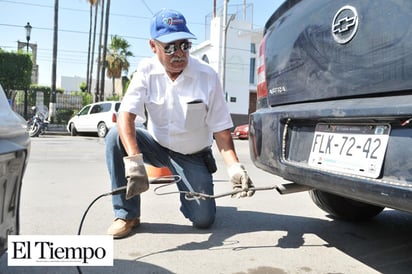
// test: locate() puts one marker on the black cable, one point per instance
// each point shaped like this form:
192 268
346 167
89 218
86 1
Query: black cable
173 178
164 181
159 180
114 192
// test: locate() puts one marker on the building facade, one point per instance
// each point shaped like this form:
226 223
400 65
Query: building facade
72 83
232 51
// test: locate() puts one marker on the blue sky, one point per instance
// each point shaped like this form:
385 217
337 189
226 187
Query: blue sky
129 19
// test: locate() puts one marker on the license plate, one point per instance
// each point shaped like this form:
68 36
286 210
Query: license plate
351 149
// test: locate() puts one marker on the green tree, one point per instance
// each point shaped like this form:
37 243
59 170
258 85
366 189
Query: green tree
83 87
87 98
116 58
15 72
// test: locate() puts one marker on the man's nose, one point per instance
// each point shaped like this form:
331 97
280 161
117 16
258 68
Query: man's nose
179 52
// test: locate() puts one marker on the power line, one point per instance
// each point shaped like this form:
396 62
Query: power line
26 4
71 31
147 7
87 11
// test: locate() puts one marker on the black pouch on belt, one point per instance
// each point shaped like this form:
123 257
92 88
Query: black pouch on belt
209 160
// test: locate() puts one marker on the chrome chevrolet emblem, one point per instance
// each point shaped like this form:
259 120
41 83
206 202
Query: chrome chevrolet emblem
345 24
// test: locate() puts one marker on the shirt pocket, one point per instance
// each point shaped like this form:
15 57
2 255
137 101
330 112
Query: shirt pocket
195 116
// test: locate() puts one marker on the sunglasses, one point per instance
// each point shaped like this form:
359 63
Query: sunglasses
170 49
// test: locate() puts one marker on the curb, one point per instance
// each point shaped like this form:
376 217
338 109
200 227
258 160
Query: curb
56 129
62 133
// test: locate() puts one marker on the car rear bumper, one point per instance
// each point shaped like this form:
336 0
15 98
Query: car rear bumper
281 139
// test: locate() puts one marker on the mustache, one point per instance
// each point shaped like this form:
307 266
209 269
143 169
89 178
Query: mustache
177 59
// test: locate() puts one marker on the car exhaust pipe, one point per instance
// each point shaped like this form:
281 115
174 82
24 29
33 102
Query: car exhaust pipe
292 188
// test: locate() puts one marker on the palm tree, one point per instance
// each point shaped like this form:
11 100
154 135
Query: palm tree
90 52
99 55
104 47
116 58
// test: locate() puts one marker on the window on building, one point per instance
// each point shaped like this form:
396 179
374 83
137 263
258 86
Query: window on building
252 68
252 71
205 58
253 48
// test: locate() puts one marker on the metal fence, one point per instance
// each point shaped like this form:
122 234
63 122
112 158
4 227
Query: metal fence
63 102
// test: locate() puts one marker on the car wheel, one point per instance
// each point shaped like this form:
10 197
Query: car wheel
344 208
73 130
101 130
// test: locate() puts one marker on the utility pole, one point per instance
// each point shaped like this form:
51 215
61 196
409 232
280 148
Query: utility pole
52 105
225 28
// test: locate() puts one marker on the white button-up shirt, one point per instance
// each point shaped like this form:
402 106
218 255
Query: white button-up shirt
182 114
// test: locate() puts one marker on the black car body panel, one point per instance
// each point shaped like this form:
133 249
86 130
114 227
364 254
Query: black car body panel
305 58
313 77
14 155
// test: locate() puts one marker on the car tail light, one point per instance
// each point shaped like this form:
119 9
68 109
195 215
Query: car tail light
262 90
114 117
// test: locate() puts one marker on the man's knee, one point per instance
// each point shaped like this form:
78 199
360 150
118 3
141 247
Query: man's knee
111 138
203 222
204 218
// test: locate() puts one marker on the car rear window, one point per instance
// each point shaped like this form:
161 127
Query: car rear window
105 107
116 107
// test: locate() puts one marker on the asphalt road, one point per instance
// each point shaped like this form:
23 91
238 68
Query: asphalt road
267 233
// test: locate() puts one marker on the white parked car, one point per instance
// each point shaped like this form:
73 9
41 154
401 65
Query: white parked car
14 155
97 117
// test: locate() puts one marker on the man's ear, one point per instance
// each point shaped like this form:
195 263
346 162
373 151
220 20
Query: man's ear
152 45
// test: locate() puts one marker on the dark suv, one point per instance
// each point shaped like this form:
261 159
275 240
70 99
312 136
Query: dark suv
335 104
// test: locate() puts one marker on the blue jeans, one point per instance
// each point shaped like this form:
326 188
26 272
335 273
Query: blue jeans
191 168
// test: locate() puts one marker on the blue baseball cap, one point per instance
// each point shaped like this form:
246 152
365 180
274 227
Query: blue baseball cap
168 26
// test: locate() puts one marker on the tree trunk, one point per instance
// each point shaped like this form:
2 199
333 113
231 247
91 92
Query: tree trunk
113 83
106 34
90 83
89 48
99 57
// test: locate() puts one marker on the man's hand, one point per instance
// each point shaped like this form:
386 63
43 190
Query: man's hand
240 180
135 171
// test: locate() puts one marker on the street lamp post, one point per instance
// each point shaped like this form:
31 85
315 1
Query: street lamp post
28 32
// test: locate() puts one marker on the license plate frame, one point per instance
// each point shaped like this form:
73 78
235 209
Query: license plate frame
356 149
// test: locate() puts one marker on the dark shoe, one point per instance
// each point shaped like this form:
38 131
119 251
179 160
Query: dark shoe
121 228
